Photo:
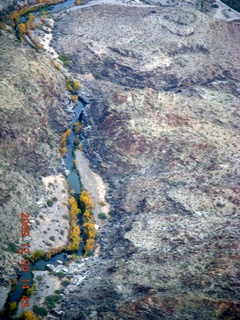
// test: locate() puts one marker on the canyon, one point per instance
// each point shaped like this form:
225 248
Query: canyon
161 128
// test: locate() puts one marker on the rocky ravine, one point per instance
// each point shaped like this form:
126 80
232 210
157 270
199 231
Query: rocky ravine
161 128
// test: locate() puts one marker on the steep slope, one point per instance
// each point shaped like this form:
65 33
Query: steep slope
32 97
161 129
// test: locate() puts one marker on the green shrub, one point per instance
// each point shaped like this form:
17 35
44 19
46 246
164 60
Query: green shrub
39 278
36 255
61 275
65 59
30 291
40 311
90 253
51 300
52 238
102 216
50 202
12 248
65 283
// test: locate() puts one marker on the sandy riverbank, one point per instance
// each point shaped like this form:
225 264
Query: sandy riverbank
50 229
93 183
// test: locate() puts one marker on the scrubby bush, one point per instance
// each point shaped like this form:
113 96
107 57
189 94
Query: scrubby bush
49 202
65 59
12 248
40 311
13 307
51 300
61 275
102 216
36 255
65 283
30 291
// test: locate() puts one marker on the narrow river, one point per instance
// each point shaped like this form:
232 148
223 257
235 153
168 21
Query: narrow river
74 183
73 177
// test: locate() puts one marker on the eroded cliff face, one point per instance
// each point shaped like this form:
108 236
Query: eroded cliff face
161 129
32 100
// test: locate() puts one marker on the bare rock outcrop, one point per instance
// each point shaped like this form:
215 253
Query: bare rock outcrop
161 129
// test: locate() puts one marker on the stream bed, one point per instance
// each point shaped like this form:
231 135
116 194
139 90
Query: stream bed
74 184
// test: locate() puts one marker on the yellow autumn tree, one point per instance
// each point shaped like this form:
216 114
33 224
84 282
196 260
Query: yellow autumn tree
15 16
89 229
74 98
73 206
74 234
89 245
22 28
78 126
63 142
87 216
30 291
13 306
76 85
30 20
74 237
28 315
85 198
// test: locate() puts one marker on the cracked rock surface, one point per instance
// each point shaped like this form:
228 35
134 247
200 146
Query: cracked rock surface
161 128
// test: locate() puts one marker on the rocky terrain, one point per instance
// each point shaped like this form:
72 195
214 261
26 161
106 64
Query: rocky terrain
161 124
161 128
33 96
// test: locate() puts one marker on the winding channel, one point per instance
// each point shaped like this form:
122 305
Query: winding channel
72 177
74 183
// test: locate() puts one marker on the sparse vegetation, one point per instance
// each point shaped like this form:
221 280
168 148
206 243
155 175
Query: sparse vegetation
73 85
12 248
65 59
50 301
